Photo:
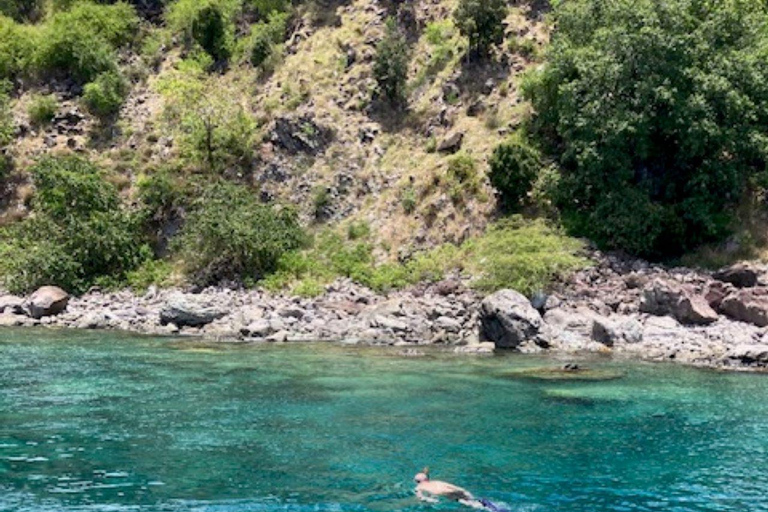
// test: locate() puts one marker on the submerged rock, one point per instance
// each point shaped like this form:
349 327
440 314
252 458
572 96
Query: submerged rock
46 301
569 372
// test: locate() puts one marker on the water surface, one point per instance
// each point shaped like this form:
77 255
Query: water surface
109 422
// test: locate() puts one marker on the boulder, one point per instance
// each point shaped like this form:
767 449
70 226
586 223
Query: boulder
663 298
508 319
11 304
301 135
46 301
747 305
741 275
452 143
184 311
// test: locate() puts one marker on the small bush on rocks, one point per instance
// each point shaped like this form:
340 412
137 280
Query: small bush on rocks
104 96
230 235
514 167
42 109
205 24
482 22
391 65
81 42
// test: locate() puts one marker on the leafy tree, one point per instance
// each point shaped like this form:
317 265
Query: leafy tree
23 10
482 22
658 113
391 66
264 37
78 232
230 235
18 43
514 165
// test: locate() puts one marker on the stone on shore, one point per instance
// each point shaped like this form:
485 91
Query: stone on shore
741 275
46 301
11 304
662 298
508 319
747 305
185 311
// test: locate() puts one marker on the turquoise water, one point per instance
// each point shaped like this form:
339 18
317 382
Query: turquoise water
105 422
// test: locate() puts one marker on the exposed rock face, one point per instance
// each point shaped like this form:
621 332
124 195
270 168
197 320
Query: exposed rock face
508 319
302 135
666 298
184 311
741 275
748 305
47 301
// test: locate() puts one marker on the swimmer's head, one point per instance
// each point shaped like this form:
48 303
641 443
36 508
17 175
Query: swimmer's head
422 477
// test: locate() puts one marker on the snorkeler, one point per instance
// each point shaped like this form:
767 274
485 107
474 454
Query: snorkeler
430 490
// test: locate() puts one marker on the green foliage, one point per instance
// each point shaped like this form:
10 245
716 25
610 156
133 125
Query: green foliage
104 96
78 232
481 22
462 179
526 256
264 8
514 253
42 109
22 10
205 24
150 273
390 68
658 112
514 167
408 199
230 235
264 37
321 200
17 43
7 126
81 42
358 230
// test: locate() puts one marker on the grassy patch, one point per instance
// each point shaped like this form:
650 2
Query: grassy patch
514 253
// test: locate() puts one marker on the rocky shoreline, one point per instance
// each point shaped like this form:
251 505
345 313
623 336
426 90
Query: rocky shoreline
621 307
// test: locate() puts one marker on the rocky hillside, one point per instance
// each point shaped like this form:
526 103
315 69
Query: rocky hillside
317 138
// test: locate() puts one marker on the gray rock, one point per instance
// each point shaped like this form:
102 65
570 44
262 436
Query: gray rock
448 324
508 319
667 298
749 354
186 311
11 304
741 275
302 135
387 322
452 143
46 301
747 305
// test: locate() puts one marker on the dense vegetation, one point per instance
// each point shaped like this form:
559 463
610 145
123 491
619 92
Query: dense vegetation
657 113
644 130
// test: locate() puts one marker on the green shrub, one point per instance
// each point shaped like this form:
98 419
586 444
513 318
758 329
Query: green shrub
527 256
17 43
230 235
81 41
481 22
7 126
264 37
462 179
206 24
408 199
78 232
390 68
264 8
513 169
23 10
218 136
104 96
658 114
42 109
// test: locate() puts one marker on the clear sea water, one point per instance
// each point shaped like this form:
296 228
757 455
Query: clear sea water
112 423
